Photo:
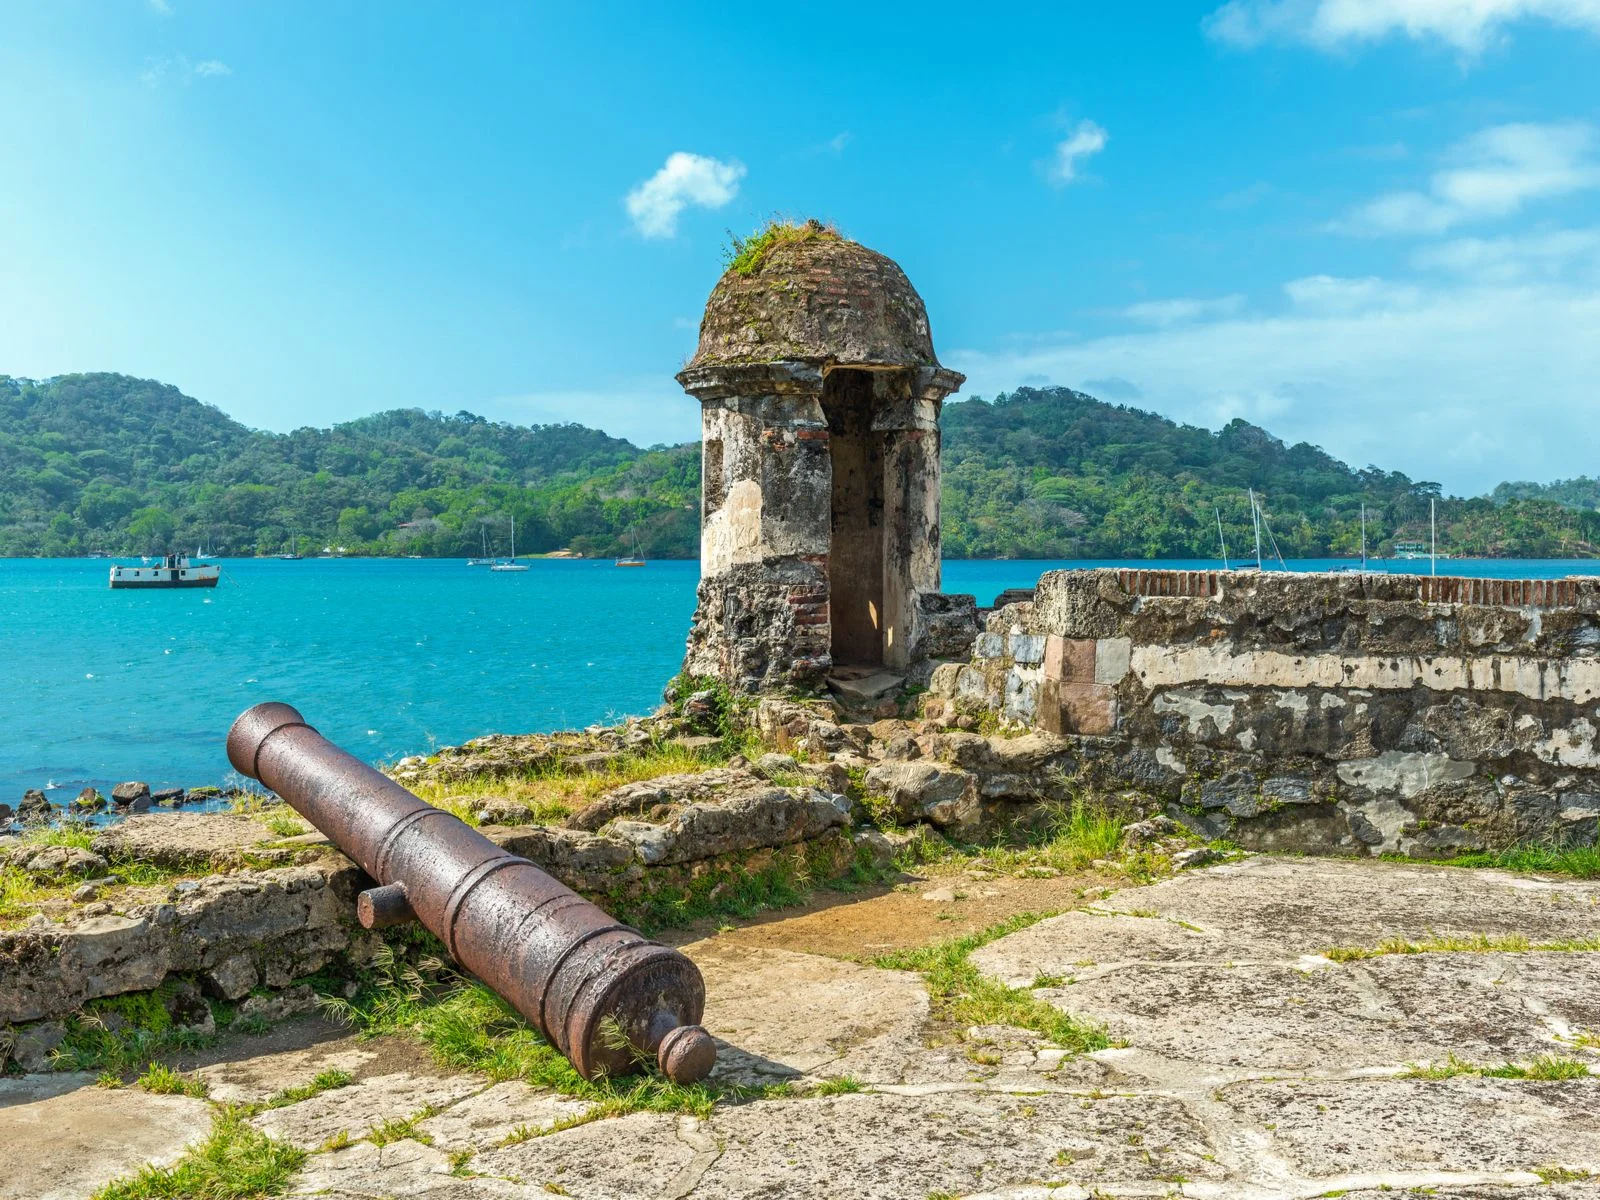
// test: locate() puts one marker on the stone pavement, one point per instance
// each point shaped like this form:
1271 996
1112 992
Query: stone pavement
1250 1065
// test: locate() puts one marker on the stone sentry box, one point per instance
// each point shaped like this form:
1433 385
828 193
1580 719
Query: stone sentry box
820 397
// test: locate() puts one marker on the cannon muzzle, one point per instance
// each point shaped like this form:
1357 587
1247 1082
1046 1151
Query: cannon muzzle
604 995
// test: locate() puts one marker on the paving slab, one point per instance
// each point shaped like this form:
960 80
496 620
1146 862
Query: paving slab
625 1158
1384 1012
484 1120
1099 938
400 1169
1468 1123
779 1014
259 1077
65 1145
1305 905
900 1147
355 1109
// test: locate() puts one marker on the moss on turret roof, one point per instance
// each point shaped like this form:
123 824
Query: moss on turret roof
803 292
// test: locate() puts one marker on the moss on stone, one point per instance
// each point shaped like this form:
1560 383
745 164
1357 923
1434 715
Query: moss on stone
744 256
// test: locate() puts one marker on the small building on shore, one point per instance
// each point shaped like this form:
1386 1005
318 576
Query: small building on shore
820 395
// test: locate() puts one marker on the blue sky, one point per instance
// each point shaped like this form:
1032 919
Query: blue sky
1370 224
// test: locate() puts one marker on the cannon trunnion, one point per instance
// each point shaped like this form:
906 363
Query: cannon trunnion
559 960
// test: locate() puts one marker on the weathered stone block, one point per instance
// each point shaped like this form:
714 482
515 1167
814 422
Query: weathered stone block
1287 791
234 977
989 645
1022 695
1112 657
943 681
924 791
1026 649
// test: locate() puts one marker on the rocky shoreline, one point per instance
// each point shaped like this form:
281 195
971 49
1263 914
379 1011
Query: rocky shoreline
127 799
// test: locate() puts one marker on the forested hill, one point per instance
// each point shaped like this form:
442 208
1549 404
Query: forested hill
118 465
1054 473
108 463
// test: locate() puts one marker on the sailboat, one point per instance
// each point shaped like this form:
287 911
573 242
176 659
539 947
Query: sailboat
486 560
633 557
292 554
1258 518
510 564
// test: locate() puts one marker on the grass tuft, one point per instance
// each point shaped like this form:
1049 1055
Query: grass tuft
552 793
1062 836
843 1085
1545 1066
962 994
161 1080
323 1081
1477 943
236 1162
395 1129
1581 862
744 256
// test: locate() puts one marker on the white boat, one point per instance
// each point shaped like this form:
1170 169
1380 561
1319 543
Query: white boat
633 558
485 559
510 564
175 571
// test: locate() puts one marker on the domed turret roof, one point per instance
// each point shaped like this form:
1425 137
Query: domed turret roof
804 293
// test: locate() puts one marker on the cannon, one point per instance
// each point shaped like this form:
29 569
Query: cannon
602 993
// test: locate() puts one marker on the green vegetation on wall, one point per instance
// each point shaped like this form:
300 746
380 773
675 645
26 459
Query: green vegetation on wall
110 464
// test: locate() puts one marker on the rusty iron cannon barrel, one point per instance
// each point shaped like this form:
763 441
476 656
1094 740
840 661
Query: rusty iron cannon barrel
559 960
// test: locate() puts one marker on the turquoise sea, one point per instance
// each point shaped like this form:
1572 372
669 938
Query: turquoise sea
387 657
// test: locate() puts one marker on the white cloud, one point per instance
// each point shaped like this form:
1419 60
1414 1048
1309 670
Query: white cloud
1466 382
1492 174
1467 25
1328 294
1175 312
1559 254
161 8
176 68
1086 139
683 180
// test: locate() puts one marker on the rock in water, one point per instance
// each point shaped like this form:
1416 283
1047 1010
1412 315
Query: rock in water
124 794
35 808
89 800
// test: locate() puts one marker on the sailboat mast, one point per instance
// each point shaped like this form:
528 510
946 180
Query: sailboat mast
1255 519
1223 540
1433 537
1363 537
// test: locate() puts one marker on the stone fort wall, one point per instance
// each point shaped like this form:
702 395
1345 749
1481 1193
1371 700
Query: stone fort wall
1329 713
